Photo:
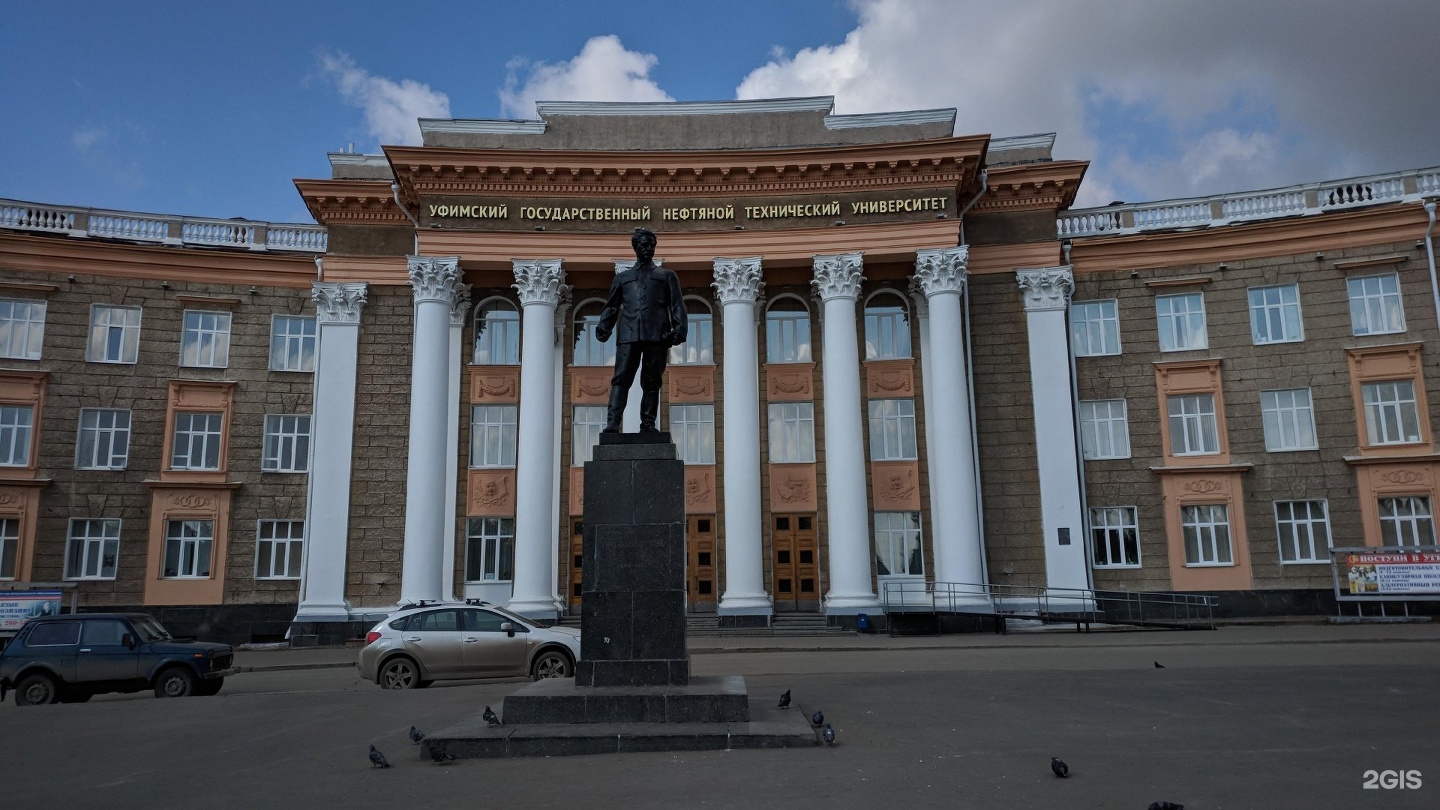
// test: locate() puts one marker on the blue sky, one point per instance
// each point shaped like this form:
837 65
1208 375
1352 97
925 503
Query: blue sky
211 109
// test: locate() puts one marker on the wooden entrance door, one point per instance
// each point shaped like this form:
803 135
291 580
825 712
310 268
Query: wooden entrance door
577 560
700 563
796 586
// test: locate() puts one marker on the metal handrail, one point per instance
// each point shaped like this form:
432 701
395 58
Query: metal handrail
1080 605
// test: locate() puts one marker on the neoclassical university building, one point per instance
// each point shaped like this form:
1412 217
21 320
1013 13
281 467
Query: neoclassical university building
909 361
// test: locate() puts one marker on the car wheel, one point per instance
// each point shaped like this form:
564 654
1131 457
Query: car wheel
552 664
399 673
75 696
36 690
209 688
175 682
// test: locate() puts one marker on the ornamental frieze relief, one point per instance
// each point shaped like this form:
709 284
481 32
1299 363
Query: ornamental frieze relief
699 489
691 384
590 385
888 379
491 493
792 488
1203 486
896 485
498 384
789 382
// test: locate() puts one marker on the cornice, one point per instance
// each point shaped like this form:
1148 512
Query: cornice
1049 185
673 108
63 257
351 202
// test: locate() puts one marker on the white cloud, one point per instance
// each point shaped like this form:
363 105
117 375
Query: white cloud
86 137
603 71
111 150
391 108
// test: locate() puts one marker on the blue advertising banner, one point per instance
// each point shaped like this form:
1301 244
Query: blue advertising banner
18 607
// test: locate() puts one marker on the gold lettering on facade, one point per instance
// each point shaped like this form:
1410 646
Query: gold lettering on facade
726 212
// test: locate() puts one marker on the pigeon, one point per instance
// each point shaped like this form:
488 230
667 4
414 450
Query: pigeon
817 719
1059 767
491 719
440 757
829 734
1159 665
377 759
785 700
416 735
1166 806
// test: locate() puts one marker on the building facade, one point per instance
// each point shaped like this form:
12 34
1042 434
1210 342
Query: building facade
909 362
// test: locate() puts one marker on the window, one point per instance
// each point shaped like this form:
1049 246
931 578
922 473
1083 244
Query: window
1275 314
17 422
9 546
1104 429
114 335
892 429
1289 420
699 346
787 331
94 547
887 328
497 333
54 634
490 550
1182 321
197 441
287 443
1375 305
792 432
585 429
436 621
104 441
279 549
103 632
1391 416
1304 529
1406 522
1115 537
22 328
693 428
1193 430
187 548
1207 534
492 435
292 343
897 544
589 351
205 341
1094 328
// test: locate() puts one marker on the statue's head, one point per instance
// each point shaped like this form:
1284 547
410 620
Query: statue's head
643 240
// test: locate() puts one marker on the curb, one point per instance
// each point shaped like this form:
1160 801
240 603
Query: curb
292 667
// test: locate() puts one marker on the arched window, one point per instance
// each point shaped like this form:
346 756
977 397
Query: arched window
699 346
497 333
589 351
787 331
887 327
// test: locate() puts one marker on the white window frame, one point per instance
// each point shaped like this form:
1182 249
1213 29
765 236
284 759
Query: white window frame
500 337
1108 525
108 444
17 432
1388 407
1177 326
201 437
1376 307
1295 532
22 328
287 443
892 430
586 422
1416 522
194 542
699 346
589 351
493 539
792 432
205 338
112 342
787 334
887 329
9 547
1206 522
1095 327
898 538
1276 307
91 542
1287 420
279 548
1104 435
293 343
1197 419
493 436
692 427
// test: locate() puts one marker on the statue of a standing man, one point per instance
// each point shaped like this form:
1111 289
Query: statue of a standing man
647 302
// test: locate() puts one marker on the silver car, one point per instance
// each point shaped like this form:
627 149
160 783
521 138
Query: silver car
416 646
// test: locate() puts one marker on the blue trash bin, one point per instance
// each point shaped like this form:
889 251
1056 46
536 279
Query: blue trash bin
862 622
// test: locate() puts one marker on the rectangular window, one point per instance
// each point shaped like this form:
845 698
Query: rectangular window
699 346
1391 414
93 549
196 443
205 340
279 549
292 343
114 335
1115 537
887 333
589 351
187 548
787 337
490 550
1193 430
22 328
17 424
1104 429
585 427
693 429
1275 314
104 441
1375 305
9 546
1304 530
1095 328
1289 419
287 443
897 544
892 430
1207 534
1406 522
1182 321
792 432
492 435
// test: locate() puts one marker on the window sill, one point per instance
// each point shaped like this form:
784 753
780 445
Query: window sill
113 362
1304 562
284 472
101 469
1293 449
269 579
90 579
1300 339
293 370
1117 567
1099 354
1106 458
1209 565
489 582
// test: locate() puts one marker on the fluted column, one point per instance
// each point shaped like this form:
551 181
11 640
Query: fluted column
562 312
737 286
332 440
941 275
837 283
458 310
539 283
1047 299
435 281
932 409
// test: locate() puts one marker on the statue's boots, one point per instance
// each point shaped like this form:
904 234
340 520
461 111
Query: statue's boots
649 410
616 411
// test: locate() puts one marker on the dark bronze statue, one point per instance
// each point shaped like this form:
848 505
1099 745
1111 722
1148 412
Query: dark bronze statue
647 303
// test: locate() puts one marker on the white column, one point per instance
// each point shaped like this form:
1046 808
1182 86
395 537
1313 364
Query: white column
837 282
932 411
458 310
562 311
435 280
332 438
1047 299
737 285
941 275
538 283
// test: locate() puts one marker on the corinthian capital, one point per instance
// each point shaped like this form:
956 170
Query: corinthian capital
434 278
1046 287
942 270
838 276
538 281
922 304
737 280
338 303
460 307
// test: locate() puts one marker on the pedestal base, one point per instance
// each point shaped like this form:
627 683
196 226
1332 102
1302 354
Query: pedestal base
561 700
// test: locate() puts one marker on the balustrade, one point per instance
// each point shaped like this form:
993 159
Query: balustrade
165 230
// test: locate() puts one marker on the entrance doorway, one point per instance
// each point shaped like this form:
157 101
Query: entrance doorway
700 563
577 561
796 586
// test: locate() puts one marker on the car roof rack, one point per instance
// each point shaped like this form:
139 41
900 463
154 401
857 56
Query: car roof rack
420 603
477 602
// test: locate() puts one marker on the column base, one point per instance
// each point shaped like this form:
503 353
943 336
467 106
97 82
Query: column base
751 605
542 609
317 612
851 605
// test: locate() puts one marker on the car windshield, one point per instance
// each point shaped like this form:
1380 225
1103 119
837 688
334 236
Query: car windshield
521 620
150 630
